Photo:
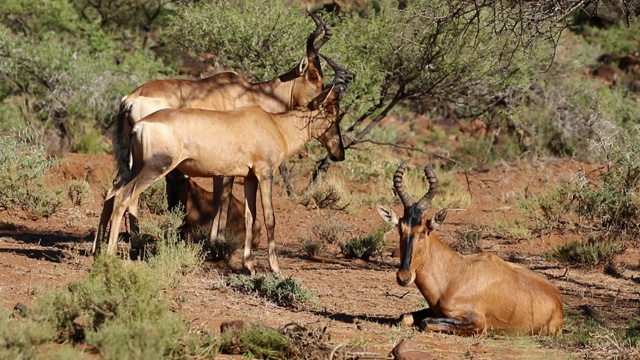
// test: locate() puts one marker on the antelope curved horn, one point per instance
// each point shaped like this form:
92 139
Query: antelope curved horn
405 198
312 51
327 31
433 187
342 75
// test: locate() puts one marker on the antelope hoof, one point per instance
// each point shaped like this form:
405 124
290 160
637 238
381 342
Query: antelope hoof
407 320
249 264
275 267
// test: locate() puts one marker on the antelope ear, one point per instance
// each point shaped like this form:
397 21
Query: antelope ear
303 66
437 220
388 215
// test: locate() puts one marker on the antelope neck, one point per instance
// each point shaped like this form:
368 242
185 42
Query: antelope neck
441 265
298 127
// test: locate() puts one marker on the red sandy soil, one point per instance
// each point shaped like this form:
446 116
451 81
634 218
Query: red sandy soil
358 301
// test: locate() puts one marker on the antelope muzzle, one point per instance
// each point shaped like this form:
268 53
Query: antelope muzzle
405 277
332 141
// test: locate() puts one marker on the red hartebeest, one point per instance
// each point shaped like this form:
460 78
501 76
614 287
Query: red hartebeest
223 91
248 142
466 294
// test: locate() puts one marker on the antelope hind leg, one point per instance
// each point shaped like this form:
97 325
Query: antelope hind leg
218 182
107 210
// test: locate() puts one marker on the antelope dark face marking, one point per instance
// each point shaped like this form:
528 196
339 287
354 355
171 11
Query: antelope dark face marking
411 221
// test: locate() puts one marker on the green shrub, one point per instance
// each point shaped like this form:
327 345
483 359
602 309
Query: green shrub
313 247
220 249
224 249
548 210
326 195
21 338
154 198
66 73
284 291
330 230
366 247
467 241
257 342
24 173
121 308
608 200
79 192
595 251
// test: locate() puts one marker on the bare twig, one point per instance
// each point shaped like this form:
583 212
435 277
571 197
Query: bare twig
386 293
333 352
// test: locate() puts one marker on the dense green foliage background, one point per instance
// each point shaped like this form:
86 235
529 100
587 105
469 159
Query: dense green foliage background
64 64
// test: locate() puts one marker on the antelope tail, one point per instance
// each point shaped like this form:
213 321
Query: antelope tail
121 142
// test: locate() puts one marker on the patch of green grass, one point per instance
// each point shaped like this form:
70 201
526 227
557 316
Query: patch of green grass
516 228
476 151
577 331
632 334
91 142
284 291
365 247
596 250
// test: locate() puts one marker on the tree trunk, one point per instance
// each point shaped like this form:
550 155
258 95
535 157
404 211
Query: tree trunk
287 180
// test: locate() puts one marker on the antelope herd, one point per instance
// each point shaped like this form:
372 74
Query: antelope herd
222 127
223 91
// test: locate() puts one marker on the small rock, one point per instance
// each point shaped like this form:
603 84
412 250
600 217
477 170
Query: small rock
410 350
20 308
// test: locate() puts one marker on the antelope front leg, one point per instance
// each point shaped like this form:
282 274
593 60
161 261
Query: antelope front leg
225 202
269 220
416 317
465 326
250 188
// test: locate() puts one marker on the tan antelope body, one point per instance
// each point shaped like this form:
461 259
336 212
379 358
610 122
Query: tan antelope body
223 91
248 142
199 212
467 294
